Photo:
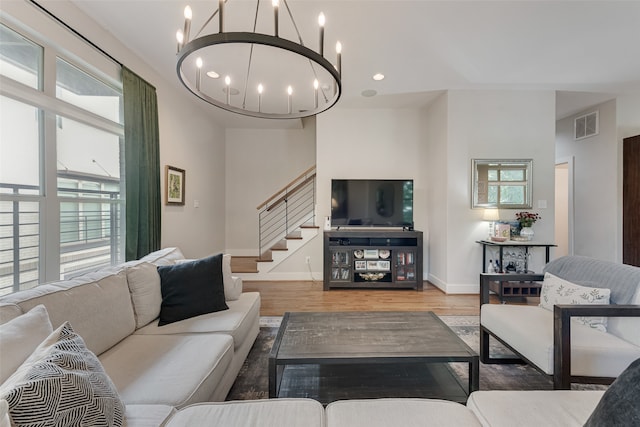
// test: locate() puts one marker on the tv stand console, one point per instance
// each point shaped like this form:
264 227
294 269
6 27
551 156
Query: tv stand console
373 259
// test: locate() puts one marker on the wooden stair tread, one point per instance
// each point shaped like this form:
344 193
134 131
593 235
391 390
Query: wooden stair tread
309 226
244 264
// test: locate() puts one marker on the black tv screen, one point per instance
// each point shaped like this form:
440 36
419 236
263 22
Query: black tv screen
372 202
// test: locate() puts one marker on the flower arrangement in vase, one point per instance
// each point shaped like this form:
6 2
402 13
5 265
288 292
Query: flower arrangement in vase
526 220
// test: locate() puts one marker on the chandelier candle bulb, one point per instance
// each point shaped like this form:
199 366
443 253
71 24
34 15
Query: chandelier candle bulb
315 92
260 89
188 15
275 16
220 17
198 72
339 61
289 104
227 81
321 21
180 39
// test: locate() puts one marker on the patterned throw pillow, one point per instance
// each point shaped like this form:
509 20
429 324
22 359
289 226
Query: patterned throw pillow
559 291
62 384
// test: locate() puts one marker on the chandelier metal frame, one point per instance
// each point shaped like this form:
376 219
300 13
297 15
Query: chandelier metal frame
254 38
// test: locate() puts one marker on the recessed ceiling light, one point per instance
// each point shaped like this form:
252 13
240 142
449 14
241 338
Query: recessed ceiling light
378 77
369 93
213 74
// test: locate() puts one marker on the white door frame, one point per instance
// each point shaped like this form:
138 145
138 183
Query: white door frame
570 227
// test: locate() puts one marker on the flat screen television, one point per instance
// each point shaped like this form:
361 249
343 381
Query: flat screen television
372 203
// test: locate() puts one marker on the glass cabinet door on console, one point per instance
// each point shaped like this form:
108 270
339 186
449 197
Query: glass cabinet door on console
341 265
405 265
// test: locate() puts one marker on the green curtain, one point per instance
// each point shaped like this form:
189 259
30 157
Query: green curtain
142 166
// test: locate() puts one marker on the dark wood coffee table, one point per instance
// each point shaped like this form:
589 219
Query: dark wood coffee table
333 356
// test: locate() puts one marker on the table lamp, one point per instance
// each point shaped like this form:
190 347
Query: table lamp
491 215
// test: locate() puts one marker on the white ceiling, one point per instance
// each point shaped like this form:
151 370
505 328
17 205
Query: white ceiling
589 51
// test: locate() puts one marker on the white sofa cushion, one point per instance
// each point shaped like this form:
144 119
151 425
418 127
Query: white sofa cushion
559 408
8 312
20 337
398 412
147 415
98 306
252 413
166 256
146 296
238 321
556 291
627 328
174 370
62 382
593 353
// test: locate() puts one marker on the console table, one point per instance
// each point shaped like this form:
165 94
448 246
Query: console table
373 259
512 243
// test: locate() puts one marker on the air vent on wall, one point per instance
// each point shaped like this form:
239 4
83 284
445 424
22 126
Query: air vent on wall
586 125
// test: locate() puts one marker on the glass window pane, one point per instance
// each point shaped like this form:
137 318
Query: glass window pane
492 175
89 236
512 175
20 59
88 161
19 148
512 194
19 245
79 88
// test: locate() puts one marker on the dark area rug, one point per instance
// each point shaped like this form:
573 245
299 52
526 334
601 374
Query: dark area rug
252 381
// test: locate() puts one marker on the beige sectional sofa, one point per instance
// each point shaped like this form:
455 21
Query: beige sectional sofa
484 408
154 369
177 375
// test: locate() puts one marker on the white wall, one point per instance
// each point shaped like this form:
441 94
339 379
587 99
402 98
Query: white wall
562 201
596 195
369 143
490 124
188 138
435 138
260 162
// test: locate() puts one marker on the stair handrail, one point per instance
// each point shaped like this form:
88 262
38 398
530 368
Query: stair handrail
287 209
284 189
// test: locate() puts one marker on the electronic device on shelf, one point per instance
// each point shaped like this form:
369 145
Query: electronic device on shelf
372 203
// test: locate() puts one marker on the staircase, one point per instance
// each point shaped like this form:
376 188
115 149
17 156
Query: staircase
286 222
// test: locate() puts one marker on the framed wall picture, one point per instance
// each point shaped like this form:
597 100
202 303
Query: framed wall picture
174 185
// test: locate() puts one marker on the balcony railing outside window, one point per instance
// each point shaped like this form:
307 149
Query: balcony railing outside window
89 236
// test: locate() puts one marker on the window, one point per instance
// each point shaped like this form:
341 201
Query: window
501 183
61 158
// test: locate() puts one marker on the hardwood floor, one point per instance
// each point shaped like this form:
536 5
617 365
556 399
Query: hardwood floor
279 297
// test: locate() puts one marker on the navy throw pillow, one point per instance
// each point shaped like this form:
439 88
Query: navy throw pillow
191 288
620 404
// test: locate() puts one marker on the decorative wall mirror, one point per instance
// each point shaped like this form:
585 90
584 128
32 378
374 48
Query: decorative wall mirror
502 184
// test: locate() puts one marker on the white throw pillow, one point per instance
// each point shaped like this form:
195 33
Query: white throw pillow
556 290
62 383
146 295
20 337
4 414
232 285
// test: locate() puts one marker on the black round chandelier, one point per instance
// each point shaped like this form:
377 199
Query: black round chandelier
257 74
